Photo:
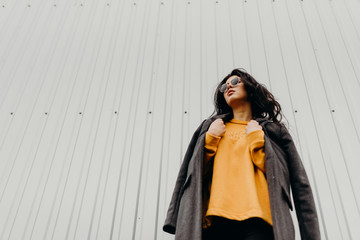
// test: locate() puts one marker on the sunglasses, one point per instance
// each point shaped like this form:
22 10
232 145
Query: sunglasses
233 82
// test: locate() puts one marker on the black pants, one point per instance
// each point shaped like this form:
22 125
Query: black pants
250 229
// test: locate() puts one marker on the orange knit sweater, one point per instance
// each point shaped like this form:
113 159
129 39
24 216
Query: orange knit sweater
238 188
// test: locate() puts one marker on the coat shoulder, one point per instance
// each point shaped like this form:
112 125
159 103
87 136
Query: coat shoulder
274 129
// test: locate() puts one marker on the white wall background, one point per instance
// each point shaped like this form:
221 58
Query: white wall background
99 99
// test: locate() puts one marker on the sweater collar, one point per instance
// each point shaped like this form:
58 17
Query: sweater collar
226 118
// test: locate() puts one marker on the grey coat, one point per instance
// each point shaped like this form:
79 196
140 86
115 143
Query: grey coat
283 168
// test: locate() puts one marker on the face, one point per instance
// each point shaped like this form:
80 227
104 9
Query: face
235 95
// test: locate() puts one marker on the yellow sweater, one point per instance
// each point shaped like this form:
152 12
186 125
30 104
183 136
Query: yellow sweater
239 188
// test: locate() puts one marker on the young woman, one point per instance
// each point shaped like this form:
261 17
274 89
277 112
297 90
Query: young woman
235 179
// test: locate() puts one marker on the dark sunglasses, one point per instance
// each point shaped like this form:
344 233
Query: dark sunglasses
233 82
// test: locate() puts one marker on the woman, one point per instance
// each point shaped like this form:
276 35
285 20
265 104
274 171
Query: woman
235 179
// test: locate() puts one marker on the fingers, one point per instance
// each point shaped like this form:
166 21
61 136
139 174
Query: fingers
219 120
252 126
254 121
217 128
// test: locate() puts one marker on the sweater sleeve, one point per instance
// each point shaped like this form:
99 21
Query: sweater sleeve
256 142
211 145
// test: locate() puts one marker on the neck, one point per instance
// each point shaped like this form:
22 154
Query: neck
242 112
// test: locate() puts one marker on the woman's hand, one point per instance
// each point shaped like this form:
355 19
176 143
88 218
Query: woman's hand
217 128
253 126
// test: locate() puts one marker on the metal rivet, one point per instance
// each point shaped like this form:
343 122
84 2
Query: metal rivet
29 5
295 110
150 112
80 113
333 110
185 112
45 113
11 113
115 112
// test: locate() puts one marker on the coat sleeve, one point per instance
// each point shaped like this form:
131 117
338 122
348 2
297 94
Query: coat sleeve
171 218
301 190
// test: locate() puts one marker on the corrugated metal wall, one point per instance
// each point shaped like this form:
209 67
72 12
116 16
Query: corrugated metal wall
99 99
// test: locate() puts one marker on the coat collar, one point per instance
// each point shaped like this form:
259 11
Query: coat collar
226 117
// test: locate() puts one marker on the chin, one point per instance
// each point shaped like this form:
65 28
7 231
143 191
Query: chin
230 101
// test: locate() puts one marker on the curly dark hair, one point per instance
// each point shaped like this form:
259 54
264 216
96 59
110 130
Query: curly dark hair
263 103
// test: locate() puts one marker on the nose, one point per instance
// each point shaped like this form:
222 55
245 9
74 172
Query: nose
229 85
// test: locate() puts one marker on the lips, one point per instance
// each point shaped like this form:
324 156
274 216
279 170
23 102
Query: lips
230 92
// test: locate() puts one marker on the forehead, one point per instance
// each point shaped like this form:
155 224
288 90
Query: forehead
231 78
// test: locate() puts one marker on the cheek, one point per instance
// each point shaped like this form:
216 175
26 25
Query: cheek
243 91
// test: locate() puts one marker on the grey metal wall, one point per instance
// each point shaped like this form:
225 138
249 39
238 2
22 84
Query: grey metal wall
99 99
